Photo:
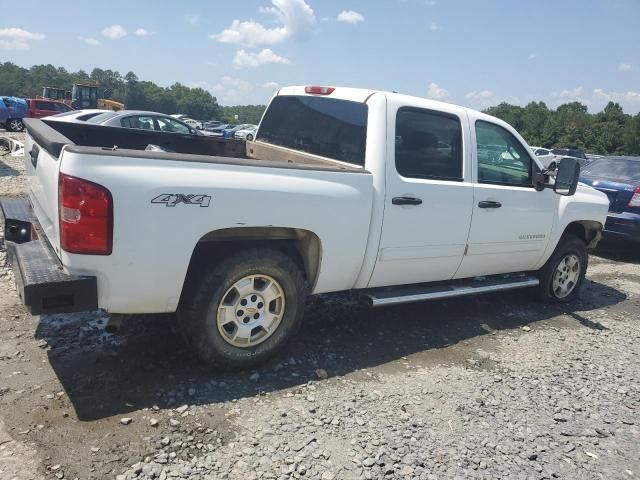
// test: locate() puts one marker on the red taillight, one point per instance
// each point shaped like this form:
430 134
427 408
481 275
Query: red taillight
319 90
86 216
635 200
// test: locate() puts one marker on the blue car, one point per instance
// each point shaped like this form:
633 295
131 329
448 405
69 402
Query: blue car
230 131
12 111
619 179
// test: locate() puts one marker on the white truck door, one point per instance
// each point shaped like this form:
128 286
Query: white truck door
428 196
511 219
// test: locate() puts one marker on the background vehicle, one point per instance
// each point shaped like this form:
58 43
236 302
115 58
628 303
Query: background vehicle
211 124
193 123
44 108
217 131
337 193
141 119
619 179
546 157
247 133
76 115
87 96
569 152
231 130
12 111
59 94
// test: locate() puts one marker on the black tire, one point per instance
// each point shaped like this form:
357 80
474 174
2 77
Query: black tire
249 137
198 317
14 125
568 245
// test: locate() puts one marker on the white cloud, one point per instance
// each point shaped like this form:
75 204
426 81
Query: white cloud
349 16
271 85
625 67
436 92
481 98
192 18
230 90
114 32
141 32
245 59
480 95
294 16
90 41
532 56
14 38
620 97
434 27
574 94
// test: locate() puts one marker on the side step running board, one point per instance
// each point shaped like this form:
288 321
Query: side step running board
379 297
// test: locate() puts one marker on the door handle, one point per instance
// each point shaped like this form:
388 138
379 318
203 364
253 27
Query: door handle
406 201
489 204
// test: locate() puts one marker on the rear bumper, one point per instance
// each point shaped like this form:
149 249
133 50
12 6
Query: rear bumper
40 278
623 226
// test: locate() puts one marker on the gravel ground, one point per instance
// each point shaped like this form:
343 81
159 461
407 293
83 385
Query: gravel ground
483 387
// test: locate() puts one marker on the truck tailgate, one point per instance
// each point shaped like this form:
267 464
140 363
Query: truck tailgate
43 146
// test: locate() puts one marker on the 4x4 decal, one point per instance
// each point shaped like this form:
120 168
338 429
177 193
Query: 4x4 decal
172 199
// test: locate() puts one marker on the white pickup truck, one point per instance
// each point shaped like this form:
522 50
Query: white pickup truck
401 199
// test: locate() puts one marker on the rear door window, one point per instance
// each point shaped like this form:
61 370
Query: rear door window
166 124
139 122
428 145
328 127
60 107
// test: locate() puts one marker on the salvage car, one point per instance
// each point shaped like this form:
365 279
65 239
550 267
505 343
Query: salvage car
619 179
40 108
12 111
386 195
247 133
76 115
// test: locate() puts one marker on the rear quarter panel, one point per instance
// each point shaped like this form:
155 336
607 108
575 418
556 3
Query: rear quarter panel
153 243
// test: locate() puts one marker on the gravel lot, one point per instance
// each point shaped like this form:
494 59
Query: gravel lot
484 387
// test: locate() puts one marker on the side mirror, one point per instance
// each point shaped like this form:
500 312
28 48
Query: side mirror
539 180
567 177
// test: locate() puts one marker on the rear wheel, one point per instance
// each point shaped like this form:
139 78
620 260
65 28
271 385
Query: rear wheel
14 125
563 275
249 137
245 309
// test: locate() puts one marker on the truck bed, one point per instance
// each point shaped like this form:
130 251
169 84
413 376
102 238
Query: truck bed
97 139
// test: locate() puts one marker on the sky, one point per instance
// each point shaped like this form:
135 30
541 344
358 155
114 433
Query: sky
475 53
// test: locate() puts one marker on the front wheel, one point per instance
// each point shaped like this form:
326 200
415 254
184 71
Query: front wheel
249 137
15 125
561 278
245 309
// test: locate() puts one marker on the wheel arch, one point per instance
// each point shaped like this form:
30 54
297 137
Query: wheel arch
588 230
303 245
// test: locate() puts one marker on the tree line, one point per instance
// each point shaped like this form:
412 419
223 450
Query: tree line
609 132
570 125
134 93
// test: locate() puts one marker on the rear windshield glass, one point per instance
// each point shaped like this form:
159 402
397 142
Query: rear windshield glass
331 128
103 117
614 168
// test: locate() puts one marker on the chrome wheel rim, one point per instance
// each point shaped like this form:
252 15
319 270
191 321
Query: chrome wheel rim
15 125
250 311
566 276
